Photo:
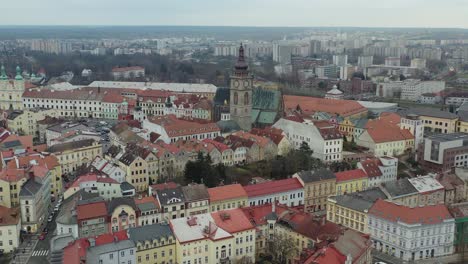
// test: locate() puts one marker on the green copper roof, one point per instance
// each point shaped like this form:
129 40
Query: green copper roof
3 75
265 99
267 117
18 73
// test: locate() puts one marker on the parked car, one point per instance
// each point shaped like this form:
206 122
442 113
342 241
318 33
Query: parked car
42 236
51 217
45 230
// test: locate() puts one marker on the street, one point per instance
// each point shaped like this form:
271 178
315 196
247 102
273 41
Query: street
33 250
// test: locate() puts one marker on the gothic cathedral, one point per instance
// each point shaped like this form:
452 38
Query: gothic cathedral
240 104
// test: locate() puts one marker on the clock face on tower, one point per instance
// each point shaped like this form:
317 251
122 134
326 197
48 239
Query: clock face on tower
236 83
246 84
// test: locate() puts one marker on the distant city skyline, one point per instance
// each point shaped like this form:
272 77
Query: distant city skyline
301 13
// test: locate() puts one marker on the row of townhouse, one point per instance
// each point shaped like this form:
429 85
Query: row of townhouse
406 218
112 103
228 236
323 183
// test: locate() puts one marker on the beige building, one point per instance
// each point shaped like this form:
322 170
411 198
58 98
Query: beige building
227 197
24 122
318 186
350 210
11 91
11 181
10 227
155 243
74 154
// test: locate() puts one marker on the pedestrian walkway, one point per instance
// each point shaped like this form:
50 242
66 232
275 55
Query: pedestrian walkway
39 253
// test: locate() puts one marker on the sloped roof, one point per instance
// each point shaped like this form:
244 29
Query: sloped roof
272 187
426 215
91 210
195 192
350 175
232 221
226 192
311 105
316 175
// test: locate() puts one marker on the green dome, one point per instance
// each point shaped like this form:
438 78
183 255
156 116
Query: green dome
18 73
3 75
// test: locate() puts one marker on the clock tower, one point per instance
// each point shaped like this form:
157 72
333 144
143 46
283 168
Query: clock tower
240 104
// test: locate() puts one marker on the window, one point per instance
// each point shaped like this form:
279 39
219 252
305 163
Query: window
111 256
122 254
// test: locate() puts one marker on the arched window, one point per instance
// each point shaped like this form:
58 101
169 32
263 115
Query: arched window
236 98
246 98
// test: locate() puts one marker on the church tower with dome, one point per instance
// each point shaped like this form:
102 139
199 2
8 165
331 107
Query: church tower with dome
240 103
11 90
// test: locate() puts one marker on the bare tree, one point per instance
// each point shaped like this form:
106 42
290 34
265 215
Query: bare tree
281 248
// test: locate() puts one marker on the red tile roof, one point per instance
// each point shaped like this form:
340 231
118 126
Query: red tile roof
177 127
311 105
111 237
226 192
12 175
163 186
75 252
275 134
218 145
273 187
386 133
91 210
9 216
148 199
350 175
260 140
429 215
371 167
327 255
232 221
26 141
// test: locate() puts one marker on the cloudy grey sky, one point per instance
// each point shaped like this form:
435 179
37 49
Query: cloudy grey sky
366 13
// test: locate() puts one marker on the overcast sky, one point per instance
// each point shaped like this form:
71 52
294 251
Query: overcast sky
364 13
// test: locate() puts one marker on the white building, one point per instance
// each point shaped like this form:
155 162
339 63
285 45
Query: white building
379 170
106 187
340 60
289 192
365 61
411 233
409 89
415 126
10 227
110 169
119 73
123 252
326 142
172 129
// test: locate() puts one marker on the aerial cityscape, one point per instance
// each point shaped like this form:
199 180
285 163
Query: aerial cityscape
157 132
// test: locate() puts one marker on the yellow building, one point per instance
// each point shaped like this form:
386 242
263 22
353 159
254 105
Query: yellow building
349 211
136 169
227 197
439 121
11 181
72 155
155 243
384 140
10 228
11 91
462 126
318 186
24 122
351 181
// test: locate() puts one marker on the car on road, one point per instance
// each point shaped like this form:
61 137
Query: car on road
51 217
42 236
45 230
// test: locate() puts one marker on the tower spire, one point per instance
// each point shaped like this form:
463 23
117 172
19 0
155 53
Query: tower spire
241 65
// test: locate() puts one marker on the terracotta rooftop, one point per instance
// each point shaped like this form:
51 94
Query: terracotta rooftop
177 127
311 105
371 167
273 187
350 175
232 221
227 192
9 216
91 210
427 215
